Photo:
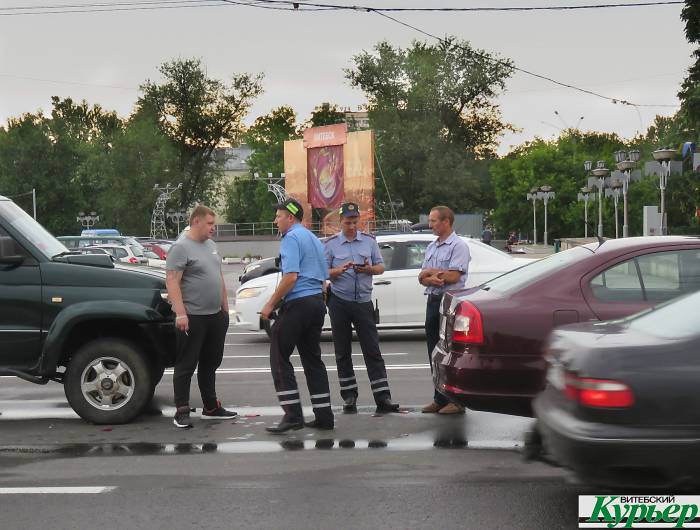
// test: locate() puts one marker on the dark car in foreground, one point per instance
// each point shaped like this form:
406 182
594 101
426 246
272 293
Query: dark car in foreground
102 329
622 403
490 356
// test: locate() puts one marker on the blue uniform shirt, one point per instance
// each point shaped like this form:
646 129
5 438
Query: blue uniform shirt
302 252
452 255
350 285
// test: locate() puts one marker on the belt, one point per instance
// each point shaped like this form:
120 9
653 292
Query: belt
432 298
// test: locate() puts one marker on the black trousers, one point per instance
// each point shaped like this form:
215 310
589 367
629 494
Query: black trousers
203 344
432 335
345 315
298 325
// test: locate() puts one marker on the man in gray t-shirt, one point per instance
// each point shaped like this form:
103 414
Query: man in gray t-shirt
197 292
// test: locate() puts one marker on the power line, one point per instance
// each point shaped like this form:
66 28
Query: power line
290 5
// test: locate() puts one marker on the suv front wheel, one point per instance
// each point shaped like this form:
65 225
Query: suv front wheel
108 381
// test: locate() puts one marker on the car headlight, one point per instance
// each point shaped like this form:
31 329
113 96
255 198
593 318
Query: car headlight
250 292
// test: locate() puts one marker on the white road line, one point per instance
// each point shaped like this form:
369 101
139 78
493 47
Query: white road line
296 355
60 489
263 370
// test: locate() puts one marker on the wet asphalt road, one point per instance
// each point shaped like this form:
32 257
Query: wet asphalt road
407 470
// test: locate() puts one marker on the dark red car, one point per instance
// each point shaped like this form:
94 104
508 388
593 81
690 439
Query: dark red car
490 352
158 249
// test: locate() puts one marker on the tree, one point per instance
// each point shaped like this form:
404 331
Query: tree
49 153
248 200
690 88
325 114
432 110
198 114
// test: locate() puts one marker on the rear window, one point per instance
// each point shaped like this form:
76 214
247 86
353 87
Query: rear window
520 278
677 319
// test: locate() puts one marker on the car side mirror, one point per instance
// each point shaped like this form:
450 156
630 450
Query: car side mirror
11 260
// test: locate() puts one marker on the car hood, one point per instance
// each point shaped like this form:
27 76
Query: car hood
261 281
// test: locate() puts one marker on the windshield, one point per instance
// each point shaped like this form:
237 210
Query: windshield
519 278
137 250
30 229
676 319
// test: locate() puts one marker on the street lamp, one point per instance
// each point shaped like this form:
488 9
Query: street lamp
625 162
87 220
614 190
532 196
584 196
545 194
663 156
176 217
598 180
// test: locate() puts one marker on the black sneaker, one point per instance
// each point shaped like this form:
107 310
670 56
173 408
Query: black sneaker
182 418
219 413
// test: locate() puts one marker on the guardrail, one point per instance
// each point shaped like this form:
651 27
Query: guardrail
269 228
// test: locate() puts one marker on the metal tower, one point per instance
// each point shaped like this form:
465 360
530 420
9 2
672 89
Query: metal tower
274 186
158 230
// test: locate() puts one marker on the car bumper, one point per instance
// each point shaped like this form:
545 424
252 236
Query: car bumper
617 455
494 383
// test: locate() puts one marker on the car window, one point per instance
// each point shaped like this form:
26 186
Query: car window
415 254
120 253
389 255
10 247
619 283
664 275
150 254
137 250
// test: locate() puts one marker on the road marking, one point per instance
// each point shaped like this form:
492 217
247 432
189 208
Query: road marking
59 489
263 370
297 355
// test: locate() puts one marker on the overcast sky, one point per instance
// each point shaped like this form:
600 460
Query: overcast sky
637 54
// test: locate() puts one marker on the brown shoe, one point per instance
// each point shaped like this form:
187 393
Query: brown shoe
432 408
451 408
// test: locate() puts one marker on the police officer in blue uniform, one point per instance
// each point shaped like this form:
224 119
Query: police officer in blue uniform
445 266
299 297
353 258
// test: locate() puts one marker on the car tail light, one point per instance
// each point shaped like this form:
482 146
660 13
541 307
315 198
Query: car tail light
467 327
133 260
598 393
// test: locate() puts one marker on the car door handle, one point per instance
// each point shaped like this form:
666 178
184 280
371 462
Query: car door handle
383 282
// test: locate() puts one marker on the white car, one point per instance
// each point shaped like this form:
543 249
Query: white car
125 253
397 292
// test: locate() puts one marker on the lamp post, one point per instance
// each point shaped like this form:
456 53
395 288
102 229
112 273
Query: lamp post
598 180
176 217
87 220
625 162
584 196
545 194
613 190
664 156
532 196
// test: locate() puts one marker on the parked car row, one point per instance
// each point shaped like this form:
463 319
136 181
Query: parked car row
618 383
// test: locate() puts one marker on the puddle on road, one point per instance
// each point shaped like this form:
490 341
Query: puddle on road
453 437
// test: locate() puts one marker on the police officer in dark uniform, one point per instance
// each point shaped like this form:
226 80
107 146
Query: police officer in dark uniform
299 297
353 258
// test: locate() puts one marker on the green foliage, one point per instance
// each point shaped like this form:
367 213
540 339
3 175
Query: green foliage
248 200
432 111
325 114
198 114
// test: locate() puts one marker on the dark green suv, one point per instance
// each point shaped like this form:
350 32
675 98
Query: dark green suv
103 329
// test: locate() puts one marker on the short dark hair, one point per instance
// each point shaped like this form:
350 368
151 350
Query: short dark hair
444 212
